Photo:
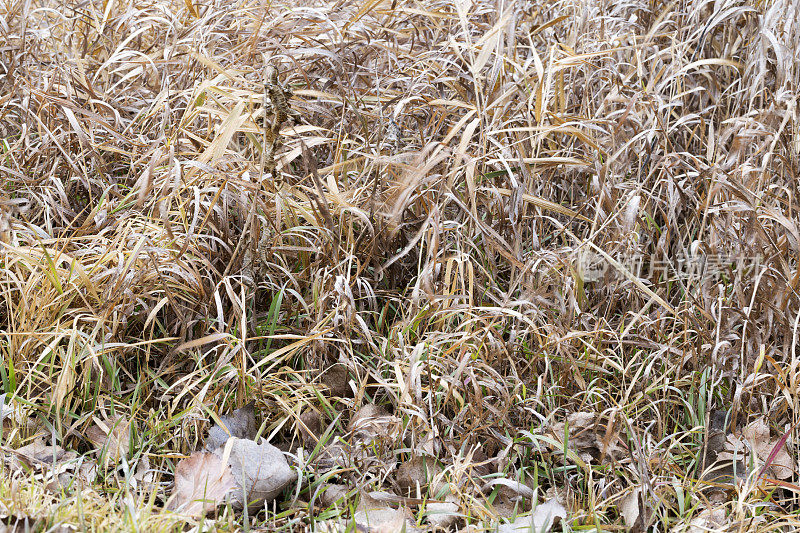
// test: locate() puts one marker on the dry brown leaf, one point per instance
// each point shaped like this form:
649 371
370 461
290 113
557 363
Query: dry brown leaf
241 423
202 482
145 477
592 441
337 379
372 422
541 520
68 477
333 494
419 471
310 426
376 516
706 521
443 515
111 436
755 436
629 507
37 454
260 472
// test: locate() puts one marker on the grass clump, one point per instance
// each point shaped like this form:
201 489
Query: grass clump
552 247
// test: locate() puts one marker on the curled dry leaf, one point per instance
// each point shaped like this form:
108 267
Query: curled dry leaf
383 519
310 426
372 422
145 477
706 521
509 488
202 482
337 379
38 454
111 436
374 515
636 510
334 455
541 520
443 515
241 423
330 526
260 472
373 435
58 469
417 473
629 507
70 478
333 494
756 437
591 440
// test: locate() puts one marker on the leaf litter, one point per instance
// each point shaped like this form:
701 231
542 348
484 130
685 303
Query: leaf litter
544 245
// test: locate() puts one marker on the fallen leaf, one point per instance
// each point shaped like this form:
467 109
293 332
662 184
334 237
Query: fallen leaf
376 516
241 423
111 436
330 526
541 520
706 521
382 519
372 422
145 477
310 426
337 379
13 523
68 478
416 474
202 482
782 466
629 508
333 494
444 514
591 440
509 488
37 453
260 472
755 437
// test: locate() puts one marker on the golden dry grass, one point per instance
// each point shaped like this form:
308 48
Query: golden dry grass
485 216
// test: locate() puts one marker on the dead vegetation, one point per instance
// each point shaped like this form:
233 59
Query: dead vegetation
477 264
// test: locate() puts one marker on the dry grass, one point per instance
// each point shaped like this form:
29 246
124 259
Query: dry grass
421 235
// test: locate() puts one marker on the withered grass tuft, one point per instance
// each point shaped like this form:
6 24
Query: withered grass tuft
552 245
